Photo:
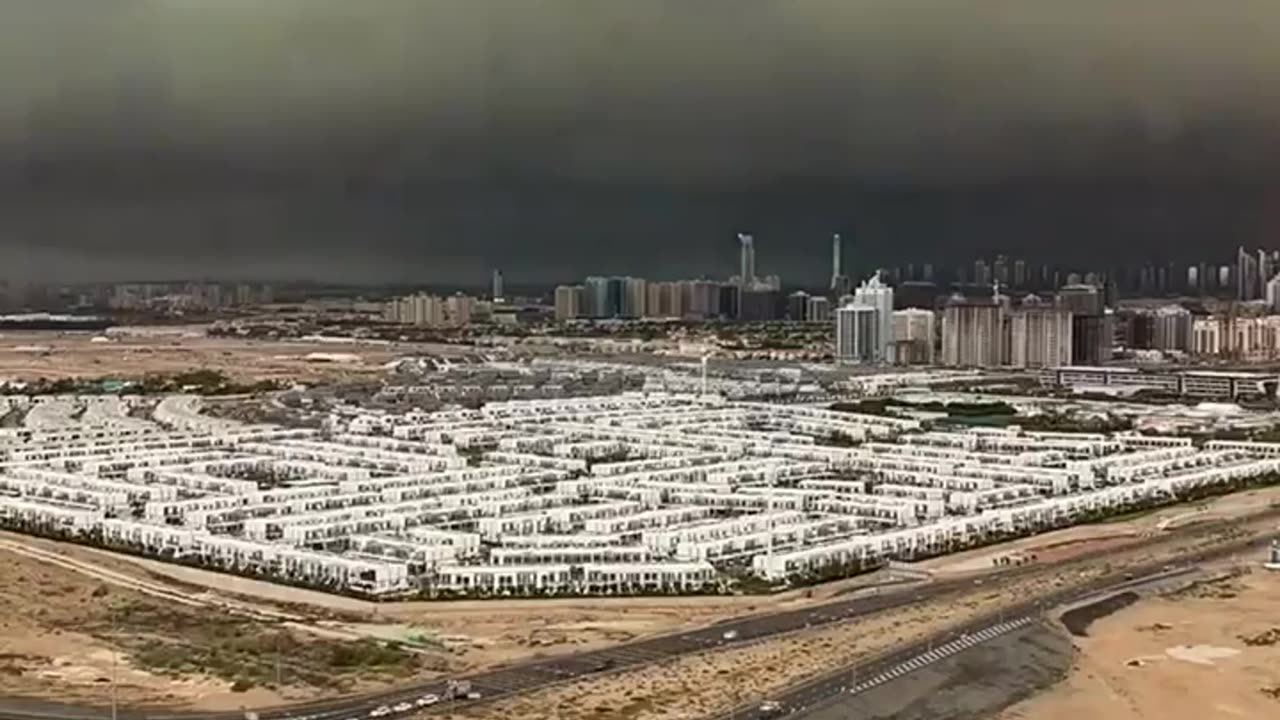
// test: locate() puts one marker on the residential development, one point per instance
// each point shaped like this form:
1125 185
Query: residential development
636 493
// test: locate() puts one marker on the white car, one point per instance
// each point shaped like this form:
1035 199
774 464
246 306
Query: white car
770 706
380 711
730 635
427 701
403 707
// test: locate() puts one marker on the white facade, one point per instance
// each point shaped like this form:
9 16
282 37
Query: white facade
875 294
858 334
681 488
1039 337
972 333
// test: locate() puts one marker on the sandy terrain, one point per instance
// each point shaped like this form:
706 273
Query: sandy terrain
479 633
32 355
1183 656
64 632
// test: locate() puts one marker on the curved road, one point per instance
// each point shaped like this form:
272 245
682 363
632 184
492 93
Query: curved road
533 674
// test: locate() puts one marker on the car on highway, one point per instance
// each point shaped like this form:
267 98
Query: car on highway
403 707
427 700
770 707
729 635
473 695
380 711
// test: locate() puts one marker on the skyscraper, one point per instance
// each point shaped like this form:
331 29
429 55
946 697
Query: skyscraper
569 302
875 294
596 298
839 281
497 285
1172 329
1246 275
1039 335
635 295
836 256
973 332
857 334
1090 327
746 261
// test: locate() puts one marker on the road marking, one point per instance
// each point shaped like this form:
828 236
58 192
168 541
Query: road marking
941 652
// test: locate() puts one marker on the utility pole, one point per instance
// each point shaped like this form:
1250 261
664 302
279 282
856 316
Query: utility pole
114 661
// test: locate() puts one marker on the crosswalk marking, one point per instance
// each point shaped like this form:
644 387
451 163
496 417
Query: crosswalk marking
940 653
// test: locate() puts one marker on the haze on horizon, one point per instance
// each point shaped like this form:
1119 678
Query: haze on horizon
434 139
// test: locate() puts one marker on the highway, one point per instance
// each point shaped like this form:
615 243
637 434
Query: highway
534 674
864 676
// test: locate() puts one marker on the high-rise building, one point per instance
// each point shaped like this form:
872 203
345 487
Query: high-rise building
1171 330
1000 270
1081 299
667 300
913 336
981 273
839 280
422 310
1272 294
497 285
973 332
1208 336
760 304
729 300
857 334
458 309
635 294
874 293
819 309
569 302
746 261
1091 338
798 306
1091 329
1039 335
700 298
1266 270
1246 275
596 298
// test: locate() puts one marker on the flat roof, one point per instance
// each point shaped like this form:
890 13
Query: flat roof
1226 374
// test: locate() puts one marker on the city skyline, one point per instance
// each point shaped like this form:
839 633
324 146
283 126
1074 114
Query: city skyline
409 141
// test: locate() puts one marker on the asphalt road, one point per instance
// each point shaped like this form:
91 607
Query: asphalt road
802 699
530 675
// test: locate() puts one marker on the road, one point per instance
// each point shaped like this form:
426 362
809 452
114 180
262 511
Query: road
865 676
534 674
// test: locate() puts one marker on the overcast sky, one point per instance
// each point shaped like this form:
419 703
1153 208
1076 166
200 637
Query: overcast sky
433 139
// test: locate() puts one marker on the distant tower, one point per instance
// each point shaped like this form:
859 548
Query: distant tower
497 285
839 281
746 260
836 270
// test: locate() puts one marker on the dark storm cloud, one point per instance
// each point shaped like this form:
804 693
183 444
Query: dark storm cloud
428 137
